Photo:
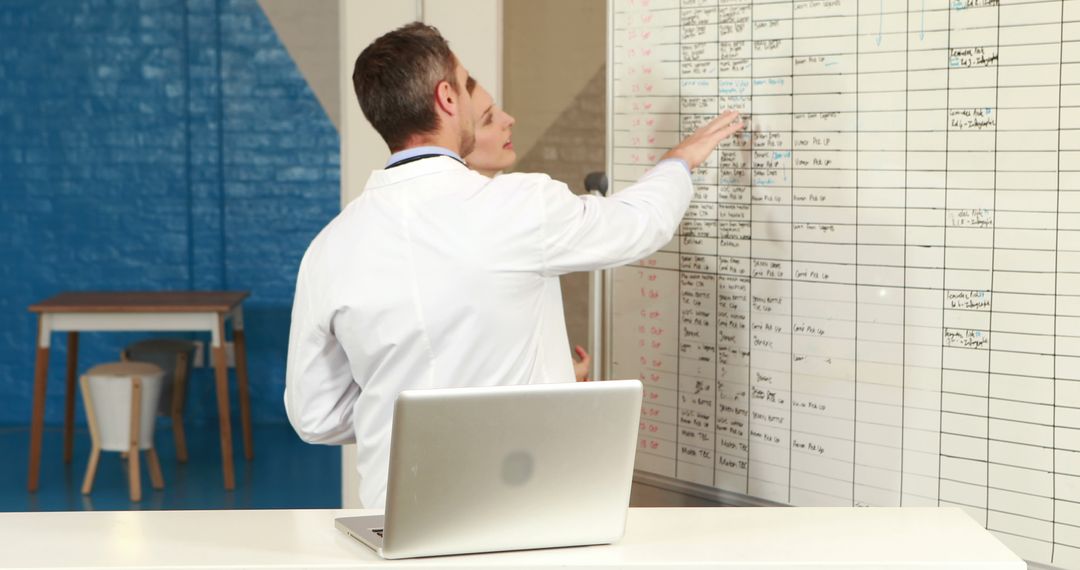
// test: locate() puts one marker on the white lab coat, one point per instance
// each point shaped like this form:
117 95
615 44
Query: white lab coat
437 276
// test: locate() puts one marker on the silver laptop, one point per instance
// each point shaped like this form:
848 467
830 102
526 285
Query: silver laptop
506 468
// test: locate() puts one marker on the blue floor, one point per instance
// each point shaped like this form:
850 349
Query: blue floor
285 474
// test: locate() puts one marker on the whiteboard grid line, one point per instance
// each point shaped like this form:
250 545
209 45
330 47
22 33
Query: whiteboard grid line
791 287
941 402
749 333
904 315
1057 264
855 382
993 257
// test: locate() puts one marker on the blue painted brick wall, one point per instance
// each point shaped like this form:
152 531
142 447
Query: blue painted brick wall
155 145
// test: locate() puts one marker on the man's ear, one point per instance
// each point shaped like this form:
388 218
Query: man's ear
446 98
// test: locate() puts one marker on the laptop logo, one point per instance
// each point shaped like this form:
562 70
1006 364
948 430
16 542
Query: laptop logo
517 468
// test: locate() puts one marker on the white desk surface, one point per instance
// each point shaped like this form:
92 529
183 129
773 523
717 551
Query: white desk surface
773 538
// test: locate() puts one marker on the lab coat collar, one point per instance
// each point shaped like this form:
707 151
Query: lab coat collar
414 169
412 153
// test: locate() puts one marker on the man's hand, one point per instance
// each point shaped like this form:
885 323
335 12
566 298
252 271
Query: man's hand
695 148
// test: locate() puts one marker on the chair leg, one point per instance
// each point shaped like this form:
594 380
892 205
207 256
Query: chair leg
156 480
91 470
134 480
95 437
179 394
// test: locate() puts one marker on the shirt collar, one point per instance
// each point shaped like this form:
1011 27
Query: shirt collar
421 150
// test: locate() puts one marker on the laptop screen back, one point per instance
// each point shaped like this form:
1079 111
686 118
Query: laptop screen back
507 468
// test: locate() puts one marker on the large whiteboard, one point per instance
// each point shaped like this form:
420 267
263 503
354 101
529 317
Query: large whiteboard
874 298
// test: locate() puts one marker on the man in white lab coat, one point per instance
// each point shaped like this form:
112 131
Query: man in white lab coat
437 276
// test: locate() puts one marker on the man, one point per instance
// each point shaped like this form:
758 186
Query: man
437 276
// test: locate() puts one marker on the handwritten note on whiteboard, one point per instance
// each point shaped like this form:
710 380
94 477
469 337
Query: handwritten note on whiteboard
874 298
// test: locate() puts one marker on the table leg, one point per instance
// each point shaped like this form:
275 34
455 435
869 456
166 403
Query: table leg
37 416
180 377
242 389
69 394
221 371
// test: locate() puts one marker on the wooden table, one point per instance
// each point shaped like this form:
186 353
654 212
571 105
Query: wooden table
774 538
141 311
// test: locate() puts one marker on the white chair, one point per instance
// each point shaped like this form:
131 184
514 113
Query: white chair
174 356
121 400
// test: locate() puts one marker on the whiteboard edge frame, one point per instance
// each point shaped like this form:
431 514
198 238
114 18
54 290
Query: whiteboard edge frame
607 275
727 498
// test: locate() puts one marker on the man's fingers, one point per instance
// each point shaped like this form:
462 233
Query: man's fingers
722 121
715 137
695 148
730 130
717 129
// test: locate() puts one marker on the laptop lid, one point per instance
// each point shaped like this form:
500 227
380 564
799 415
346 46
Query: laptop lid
510 467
